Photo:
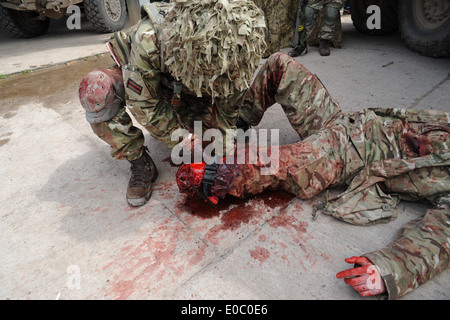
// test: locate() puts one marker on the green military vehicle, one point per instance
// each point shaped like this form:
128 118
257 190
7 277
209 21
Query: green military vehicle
30 18
424 24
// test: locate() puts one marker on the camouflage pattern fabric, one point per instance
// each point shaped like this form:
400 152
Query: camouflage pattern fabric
280 17
382 155
149 86
126 140
213 47
323 21
307 104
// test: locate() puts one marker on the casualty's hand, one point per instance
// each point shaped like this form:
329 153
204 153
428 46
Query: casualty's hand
365 279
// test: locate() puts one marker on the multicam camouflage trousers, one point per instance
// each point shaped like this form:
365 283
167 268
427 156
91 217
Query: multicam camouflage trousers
382 155
323 21
161 120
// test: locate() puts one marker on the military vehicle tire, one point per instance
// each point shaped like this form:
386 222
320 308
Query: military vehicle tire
425 26
23 24
106 15
388 12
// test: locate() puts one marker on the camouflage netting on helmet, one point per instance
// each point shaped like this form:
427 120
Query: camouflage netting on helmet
213 46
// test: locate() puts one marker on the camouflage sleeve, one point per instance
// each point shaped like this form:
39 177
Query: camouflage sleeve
142 79
279 16
419 253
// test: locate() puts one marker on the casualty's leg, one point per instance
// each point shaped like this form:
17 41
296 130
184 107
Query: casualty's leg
304 169
102 96
306 102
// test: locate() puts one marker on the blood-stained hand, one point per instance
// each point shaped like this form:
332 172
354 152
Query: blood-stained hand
364 278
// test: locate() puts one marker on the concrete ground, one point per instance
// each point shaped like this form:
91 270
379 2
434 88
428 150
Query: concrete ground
68 233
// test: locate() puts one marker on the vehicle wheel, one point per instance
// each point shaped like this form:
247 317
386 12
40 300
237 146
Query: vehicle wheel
23 24
388 18
106 15
425 26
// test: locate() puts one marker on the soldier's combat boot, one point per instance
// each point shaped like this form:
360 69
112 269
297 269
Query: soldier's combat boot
324 49
298 51
143 174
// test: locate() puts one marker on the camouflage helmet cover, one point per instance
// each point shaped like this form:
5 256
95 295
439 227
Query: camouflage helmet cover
213 46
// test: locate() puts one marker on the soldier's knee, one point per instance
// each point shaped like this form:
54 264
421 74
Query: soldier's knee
310 15
275 57
331 15
101 94
278 61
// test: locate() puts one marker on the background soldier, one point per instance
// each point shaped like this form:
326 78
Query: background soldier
382 155
279 17
300 41
323 24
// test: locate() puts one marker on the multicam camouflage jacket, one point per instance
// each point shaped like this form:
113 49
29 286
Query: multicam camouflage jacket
150 88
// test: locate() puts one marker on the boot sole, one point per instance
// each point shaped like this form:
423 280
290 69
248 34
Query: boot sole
140 201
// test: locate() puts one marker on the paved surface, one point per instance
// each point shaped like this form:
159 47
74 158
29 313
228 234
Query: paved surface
67 232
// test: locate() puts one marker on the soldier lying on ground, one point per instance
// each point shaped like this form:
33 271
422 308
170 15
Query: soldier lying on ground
382 155
195 66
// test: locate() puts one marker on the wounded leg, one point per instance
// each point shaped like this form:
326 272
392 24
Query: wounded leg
304 169
306 102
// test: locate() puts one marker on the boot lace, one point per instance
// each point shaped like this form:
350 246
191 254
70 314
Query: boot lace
140 172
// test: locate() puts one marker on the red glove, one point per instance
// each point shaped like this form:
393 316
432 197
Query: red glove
189 180
365 279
